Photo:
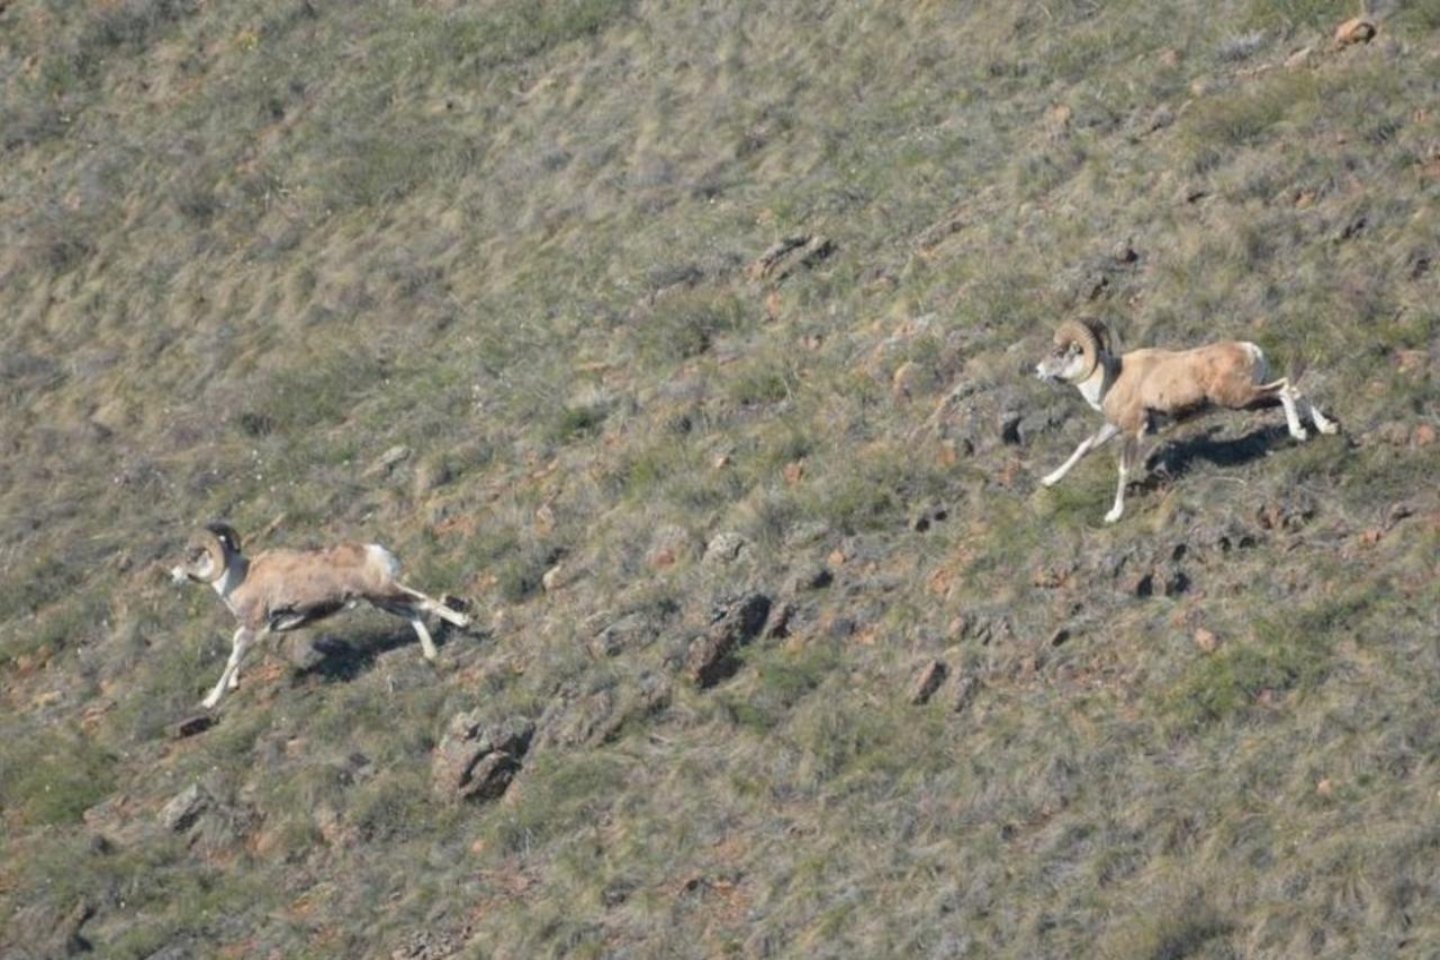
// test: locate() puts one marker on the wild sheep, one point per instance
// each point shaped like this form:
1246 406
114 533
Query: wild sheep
280 590
1138 390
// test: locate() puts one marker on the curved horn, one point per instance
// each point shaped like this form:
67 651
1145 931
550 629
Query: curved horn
212 543
225 534
1102 334
1082 333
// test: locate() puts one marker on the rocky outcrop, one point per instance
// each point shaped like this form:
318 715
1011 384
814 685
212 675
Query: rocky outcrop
477 759
712 656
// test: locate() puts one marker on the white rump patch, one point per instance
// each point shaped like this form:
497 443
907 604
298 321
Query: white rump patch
384 558
1261 371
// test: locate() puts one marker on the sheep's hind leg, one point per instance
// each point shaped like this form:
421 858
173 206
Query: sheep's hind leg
411 611
1322 423
429 604
1288 396
427 644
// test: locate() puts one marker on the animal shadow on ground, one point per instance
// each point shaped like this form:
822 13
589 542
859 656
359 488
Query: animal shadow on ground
1173 459
341 659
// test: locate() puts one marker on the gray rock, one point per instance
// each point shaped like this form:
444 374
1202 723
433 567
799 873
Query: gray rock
185 808
632 631
711 657
927 681
724 548
476 760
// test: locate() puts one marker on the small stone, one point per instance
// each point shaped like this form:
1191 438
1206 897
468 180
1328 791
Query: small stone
632 631
1010 428
906 381
1353 31
1138 584
1325 787
965 690
1412 361
185 808
544 519
724 548
711 657
190 726
817 577
1206 640
1057 121
1393 432
927 681
670 544
389 460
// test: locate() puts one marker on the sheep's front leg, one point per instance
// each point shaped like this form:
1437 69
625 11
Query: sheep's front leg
229 679
1098 438
1129 453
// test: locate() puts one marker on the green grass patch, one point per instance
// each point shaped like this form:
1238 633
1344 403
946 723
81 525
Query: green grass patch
1281 657
52 777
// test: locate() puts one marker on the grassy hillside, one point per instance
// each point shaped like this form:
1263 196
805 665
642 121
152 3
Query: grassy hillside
488 283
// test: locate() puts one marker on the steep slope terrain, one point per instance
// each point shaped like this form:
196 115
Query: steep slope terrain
691 343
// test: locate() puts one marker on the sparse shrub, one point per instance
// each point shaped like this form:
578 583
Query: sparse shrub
1229 122
579 421
1293 14
762 381
391 806
562 792
685 324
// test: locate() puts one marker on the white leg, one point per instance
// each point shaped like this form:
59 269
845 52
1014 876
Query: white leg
412 612
431 605
1322 423
1292 415
229 679
1099 438
427 645
1127 459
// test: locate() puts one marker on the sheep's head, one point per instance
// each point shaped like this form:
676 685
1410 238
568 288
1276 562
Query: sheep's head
1076 354
208 554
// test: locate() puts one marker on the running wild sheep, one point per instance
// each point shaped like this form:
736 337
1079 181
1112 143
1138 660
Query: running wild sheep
280 590
1139 390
